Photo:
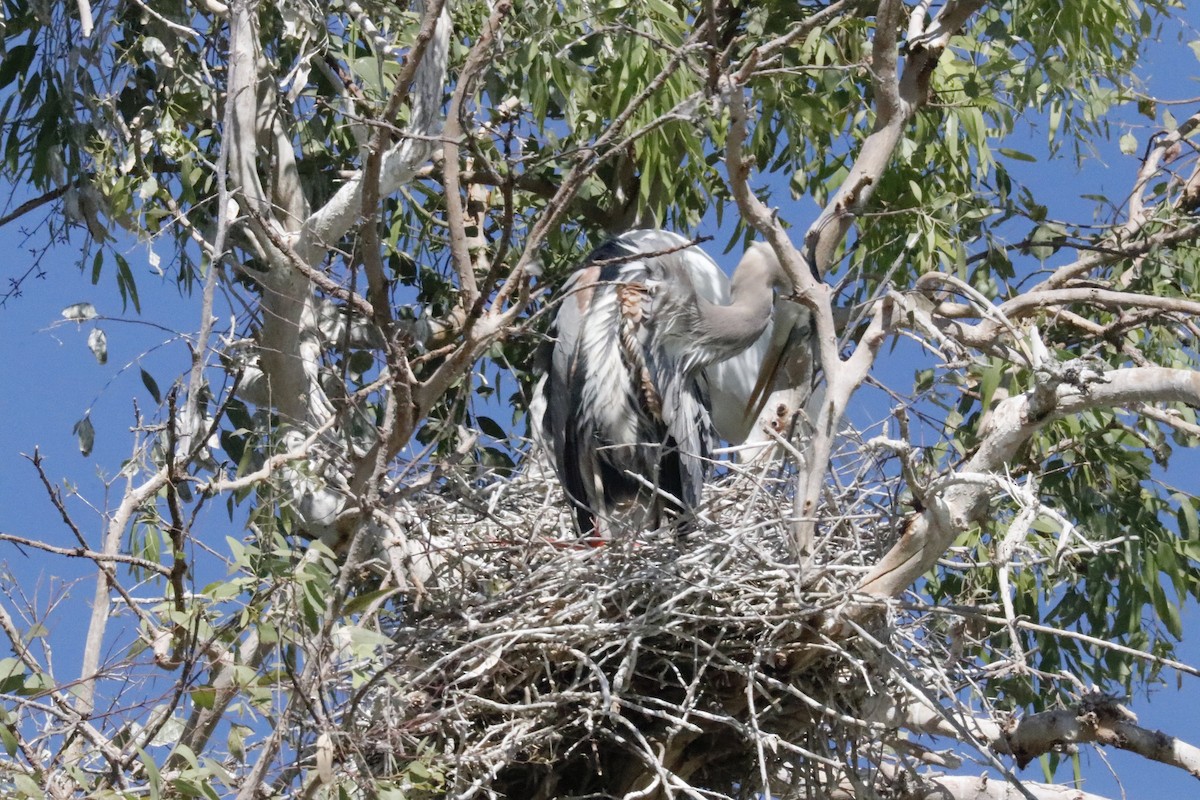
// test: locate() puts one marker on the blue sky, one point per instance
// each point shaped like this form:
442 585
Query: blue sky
52 380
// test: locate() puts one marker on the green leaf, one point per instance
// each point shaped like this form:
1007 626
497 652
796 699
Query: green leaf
36 683
151 386
1016 155
1189 525
126 284
237 741
1046 239
1129 144
16 62
86 434
204 697
153 779
27 786
8 736
364 640
490 427
187 754
363 601
11 669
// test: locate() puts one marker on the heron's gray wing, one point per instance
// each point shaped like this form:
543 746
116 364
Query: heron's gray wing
687 441
602 416
565 420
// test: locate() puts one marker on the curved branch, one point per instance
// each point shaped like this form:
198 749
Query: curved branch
1013 423
898 99
430 58
1104 298
1055 291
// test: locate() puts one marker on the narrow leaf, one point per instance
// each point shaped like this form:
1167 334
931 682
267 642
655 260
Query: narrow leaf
1017 155
154 779
9 738
151 386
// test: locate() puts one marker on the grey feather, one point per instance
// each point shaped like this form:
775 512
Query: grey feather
641 330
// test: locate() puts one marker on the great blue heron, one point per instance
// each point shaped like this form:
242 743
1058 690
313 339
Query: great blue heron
653 349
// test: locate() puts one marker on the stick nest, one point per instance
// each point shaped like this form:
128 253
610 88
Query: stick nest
527 663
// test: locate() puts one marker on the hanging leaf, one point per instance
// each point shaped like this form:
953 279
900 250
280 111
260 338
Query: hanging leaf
86 434
151 386
98 343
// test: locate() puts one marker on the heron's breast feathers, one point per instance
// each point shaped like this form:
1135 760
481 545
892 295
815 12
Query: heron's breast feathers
632 301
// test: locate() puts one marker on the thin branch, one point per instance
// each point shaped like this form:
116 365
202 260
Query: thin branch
91 555
35 203
377 284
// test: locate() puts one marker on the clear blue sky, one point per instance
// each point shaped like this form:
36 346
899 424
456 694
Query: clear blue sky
52 380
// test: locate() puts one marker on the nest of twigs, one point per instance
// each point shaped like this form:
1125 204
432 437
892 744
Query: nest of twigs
528 663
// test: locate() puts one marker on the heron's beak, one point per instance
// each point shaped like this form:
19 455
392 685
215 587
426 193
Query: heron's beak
766 379
791 330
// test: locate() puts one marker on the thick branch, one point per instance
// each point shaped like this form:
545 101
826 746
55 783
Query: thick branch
456 218
1014 422
242 94
289 348
897 101
1095 722
1096 719
134 498
328 224
970 787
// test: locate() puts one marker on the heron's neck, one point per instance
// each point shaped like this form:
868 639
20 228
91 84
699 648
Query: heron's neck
731 329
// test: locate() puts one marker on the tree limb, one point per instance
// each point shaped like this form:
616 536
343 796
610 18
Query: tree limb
897 100
1014 421
964 787
325 226
464 265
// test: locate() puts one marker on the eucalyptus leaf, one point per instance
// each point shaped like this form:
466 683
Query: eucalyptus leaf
151 386
86 434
